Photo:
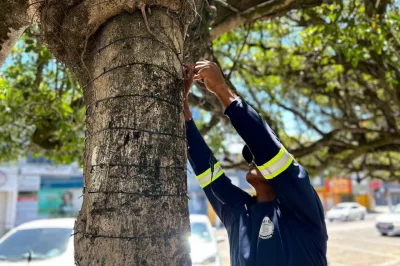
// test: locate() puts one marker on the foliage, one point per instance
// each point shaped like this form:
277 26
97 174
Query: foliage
329 78
38 111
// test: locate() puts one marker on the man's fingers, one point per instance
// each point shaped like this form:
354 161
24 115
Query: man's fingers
200 70
203 62
206 63
198 67
198 78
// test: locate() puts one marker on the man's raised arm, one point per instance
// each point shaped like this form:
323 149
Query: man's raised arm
289 180
221 193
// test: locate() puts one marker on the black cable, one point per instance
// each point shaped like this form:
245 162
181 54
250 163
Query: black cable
133 95
128 38
130 64
212 162
136 129
139 165
129 238
149 195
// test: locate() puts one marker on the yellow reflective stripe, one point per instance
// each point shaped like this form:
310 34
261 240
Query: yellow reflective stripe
276 165
208 171
205 178
284 167
206 183
273 160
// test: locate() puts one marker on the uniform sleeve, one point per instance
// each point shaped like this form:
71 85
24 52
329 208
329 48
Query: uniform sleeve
289 180
221 193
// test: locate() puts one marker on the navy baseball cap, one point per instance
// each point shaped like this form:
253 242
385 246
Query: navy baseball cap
247 155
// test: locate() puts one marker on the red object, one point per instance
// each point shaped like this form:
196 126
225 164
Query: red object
375 184
27 198
328 185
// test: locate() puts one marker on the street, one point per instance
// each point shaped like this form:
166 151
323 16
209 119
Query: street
354 243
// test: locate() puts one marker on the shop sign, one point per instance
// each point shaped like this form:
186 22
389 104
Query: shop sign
340 186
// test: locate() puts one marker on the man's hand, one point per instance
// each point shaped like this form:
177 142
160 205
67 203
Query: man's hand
210 74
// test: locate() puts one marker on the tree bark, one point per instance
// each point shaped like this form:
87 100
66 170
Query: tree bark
135 201
13 21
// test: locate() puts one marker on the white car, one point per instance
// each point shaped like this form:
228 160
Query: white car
346 211
49 242
203 242
389 224
39 243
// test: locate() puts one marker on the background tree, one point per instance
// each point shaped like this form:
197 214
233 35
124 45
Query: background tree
327 79
41 105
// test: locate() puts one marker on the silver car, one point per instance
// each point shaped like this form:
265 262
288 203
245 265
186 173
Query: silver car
39 243
347 211
203 242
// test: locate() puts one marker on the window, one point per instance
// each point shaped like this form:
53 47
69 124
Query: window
37 243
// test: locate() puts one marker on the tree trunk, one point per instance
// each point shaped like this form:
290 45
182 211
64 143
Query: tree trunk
135 200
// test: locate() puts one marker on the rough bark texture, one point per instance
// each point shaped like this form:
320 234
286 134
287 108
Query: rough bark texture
135 204
67 26
13 22
135 199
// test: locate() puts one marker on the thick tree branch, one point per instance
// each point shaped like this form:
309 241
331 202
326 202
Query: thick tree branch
13 22
253 10
214 120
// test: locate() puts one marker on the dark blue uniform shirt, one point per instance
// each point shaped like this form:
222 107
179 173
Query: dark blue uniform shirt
288 231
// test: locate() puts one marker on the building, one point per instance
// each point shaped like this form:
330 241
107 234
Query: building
8 196
385 193
34 189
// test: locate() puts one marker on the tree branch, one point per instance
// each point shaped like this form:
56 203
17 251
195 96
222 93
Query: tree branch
254 11
214 120
13 22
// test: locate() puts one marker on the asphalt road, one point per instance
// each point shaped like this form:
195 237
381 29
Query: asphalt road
353 243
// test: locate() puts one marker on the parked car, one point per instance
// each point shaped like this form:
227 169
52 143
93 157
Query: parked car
39 243
49 242
203 242
389 223
346 211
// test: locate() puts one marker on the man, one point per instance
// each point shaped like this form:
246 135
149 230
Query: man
66 208
283 224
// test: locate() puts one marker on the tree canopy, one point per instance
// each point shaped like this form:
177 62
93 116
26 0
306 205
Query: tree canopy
326 79
41 110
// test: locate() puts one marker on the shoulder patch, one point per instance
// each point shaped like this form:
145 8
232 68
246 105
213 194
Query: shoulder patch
267 228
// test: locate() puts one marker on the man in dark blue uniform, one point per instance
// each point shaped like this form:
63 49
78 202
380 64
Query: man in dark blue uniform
283 225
